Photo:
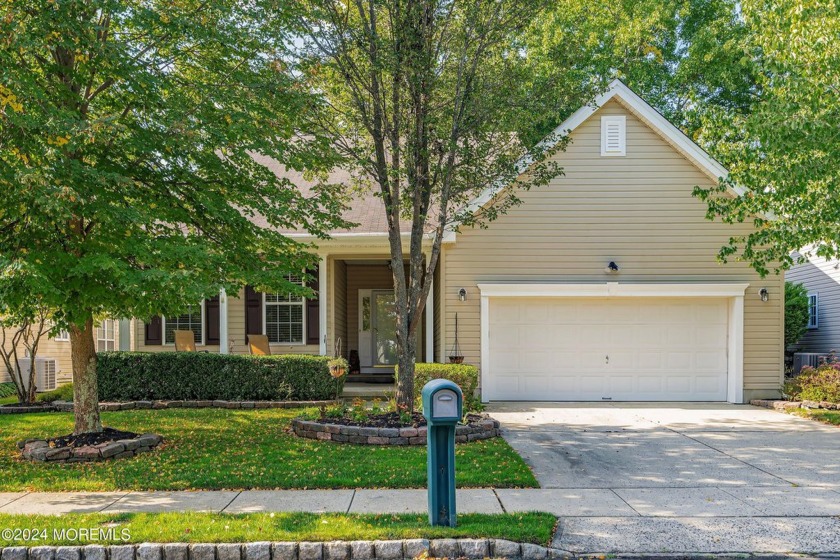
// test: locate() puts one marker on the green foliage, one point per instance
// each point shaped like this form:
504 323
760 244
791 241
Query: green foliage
62 393
7 390
681 55
816 384
784 150
796 312
463 375
205 376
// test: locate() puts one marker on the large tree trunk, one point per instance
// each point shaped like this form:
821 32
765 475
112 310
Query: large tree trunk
85 386
407 349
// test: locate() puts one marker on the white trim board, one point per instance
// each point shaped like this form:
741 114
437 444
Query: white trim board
733 291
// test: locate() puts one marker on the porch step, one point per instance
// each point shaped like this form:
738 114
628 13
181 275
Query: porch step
367 390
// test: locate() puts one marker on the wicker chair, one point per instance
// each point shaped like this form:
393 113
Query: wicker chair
258 343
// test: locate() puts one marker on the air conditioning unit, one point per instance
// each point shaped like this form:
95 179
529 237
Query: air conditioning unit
45 370
803 359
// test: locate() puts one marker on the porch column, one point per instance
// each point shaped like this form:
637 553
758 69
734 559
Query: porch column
322 304
430 320
223 322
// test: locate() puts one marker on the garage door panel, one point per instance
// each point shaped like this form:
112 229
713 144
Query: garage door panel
556 349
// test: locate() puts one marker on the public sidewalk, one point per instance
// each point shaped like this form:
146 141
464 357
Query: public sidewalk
674 520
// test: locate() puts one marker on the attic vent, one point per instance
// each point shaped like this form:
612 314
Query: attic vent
613 135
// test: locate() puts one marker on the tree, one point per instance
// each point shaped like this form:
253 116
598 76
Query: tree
426 100
127 182
796 312
23 333
783 152
683 56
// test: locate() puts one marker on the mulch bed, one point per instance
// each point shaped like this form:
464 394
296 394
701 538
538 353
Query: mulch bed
386 420
28 405
90 438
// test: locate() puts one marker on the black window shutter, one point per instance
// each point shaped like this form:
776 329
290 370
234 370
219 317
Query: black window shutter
313 315
211 321
154 331
253 311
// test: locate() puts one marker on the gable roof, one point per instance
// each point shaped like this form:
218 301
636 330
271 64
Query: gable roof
618 91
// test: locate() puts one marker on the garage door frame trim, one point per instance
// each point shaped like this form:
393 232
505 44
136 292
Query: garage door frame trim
733 292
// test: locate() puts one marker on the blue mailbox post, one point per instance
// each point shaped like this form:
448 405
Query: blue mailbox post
443 406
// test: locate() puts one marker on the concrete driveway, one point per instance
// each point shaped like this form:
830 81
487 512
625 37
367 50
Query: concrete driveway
678 477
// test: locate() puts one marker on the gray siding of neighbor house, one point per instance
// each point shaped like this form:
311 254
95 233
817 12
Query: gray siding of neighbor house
637 210
817 279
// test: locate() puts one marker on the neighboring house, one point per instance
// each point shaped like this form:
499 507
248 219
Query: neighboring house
110 335
821 278
537 308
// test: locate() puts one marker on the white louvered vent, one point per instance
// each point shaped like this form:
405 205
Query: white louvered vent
613 135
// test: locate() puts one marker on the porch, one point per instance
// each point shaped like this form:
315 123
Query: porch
357 319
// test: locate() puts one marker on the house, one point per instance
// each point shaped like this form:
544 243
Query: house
110 335
821 277
601 286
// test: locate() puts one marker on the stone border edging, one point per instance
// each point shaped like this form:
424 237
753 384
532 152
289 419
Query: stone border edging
66 406
485 428
407 549
39 450
787 405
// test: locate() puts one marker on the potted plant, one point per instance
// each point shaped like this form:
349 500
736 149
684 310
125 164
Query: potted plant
338 367
456 356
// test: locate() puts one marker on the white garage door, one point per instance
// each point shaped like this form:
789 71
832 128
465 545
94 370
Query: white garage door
619 349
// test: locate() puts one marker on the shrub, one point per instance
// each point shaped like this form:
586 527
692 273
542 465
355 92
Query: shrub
62 393
203 376
7 390
816 384
463 375
796 312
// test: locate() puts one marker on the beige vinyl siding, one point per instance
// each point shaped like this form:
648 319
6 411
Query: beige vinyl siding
236 335
60 351
338 310
822 278
636 210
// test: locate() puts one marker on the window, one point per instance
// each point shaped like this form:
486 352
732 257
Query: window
284 315
191 320
813 311
106 336
613 135
62 336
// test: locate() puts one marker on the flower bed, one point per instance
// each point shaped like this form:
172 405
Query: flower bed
108 444
478 426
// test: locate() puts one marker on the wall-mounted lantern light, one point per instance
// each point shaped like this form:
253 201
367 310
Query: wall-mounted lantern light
764 294
462 294
611 268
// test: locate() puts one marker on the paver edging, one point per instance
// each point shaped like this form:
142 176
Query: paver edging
778 404
40 451
484 428
405 549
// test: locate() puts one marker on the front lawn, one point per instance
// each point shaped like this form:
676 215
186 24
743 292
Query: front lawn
240 449
827 416
220 527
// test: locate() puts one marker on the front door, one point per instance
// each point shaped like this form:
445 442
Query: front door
384 328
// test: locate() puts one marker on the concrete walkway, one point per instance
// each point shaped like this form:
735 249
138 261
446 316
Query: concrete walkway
684 520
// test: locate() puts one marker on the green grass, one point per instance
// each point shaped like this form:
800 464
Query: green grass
826 416
220 527
8 400
240 449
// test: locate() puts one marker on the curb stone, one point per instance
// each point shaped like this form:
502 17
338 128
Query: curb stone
407 549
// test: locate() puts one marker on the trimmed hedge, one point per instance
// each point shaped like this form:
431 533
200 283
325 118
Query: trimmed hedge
128 376
463 375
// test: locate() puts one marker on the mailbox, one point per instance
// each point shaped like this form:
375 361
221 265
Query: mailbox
443 405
